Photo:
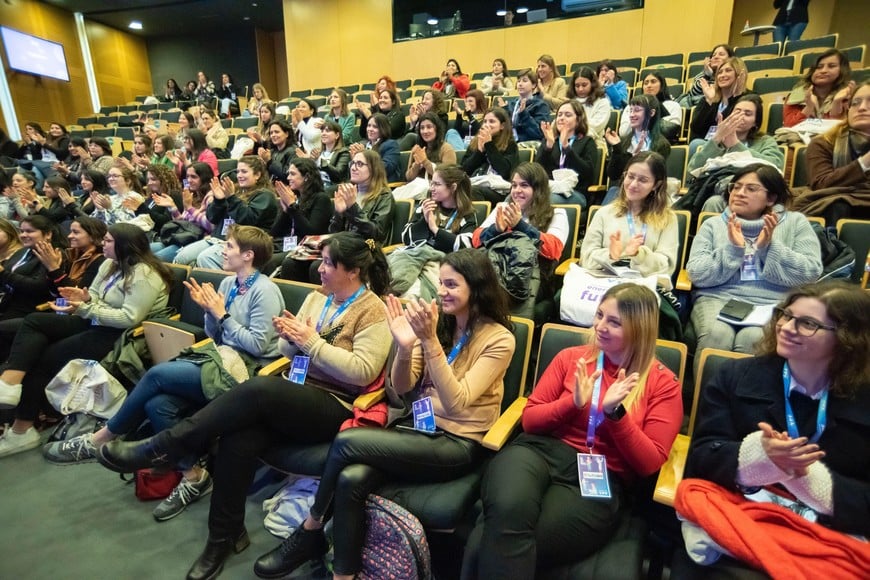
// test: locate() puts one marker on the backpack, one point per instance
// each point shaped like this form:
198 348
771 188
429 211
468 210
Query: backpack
838 258
515 258
395 545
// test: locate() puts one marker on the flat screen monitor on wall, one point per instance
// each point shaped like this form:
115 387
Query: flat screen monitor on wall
30 54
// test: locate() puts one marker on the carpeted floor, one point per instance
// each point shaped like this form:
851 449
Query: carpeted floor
82 522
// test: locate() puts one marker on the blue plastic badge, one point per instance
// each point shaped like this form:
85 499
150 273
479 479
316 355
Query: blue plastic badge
424 415
299 370
592 474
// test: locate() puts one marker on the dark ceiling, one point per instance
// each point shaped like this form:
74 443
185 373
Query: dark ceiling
167 18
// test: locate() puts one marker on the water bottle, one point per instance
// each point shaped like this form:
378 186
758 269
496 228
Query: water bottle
61 302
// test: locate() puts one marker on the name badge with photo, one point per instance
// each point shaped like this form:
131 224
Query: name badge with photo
424 415
226 227
290 243
299 369
592 473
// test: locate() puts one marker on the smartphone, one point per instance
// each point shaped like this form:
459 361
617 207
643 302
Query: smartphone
460 103
409 429
736 310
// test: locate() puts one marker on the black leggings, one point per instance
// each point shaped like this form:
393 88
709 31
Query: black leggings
44 344
249 419
361 459
533 512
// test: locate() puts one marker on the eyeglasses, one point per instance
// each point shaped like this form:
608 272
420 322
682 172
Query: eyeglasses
805 326
114 176
641 179
358 164
748 187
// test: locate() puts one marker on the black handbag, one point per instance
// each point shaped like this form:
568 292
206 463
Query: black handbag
180 233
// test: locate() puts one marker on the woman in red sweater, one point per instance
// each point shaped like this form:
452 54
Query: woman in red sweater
610 404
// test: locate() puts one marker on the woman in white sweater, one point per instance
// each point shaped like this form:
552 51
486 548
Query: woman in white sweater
638 229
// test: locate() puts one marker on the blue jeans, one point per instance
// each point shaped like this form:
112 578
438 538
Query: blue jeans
455 140
188 254
212 258
164 395
612 194
792 31
163 252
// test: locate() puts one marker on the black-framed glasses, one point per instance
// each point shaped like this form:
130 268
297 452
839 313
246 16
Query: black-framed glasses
804 325
358 164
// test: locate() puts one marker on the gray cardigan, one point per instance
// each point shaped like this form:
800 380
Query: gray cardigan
249 327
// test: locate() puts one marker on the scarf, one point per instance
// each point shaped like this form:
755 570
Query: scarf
79 263
848 144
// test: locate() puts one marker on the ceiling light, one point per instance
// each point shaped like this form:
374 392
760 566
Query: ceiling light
522 10
432 21
501 13
135 25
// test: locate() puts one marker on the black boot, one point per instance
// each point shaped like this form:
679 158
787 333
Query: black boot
127 457
211 561
302 545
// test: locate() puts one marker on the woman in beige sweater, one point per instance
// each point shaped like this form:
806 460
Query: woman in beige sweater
451 366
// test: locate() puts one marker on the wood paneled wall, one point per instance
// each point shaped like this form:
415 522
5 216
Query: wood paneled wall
331 42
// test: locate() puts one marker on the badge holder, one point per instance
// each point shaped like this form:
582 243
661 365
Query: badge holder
424 415
299 369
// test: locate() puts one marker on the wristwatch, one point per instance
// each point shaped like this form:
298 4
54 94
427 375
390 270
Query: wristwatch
225 317
617 414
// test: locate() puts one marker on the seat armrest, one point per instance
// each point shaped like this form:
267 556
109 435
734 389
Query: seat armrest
562 268
499 433
139 330
671 473
683 281
44 307
202 342
275 367
392 248
368 400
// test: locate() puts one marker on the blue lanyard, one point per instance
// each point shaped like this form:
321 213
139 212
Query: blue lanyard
450 221
240 289
112 281
791 423
457 348
340 310
631 226
595 415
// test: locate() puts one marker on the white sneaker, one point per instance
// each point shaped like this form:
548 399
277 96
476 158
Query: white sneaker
10 395
12 442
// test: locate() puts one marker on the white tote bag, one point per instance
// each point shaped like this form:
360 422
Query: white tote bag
582 291
84 386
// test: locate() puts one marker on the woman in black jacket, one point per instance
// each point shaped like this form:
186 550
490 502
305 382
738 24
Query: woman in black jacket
567 145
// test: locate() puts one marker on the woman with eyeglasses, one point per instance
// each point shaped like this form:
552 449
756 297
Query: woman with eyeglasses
365 205
796 417
125 196
638 228
753 254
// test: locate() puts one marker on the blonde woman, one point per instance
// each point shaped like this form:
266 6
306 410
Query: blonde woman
259 97
719 98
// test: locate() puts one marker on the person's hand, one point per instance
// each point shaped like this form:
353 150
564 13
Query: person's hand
207 297
61 168
415 113
549 134
419 155
293 329
140 161
265 154
75 295
317 123
65 197
365 109
501 224
840 105
345 197
709 91
68 309
254 135
187 198
355 148
640 142
707 63
443 76
39 138
285 195
51 257
499 101
615 245
182 156
484 136
430 214
314 153
770 223
172 155
611 137
456 107
373 99
726 131
793 456
422 316
496 81
619 390
811 104
735 232
583 383
24 194
300 152
295 117
400 328
132 203
512 214
633 245
101 201
164 200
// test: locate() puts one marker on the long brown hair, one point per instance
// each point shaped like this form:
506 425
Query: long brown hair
502 139
540 211
454 175
378 181
849 307
655 209
257 166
